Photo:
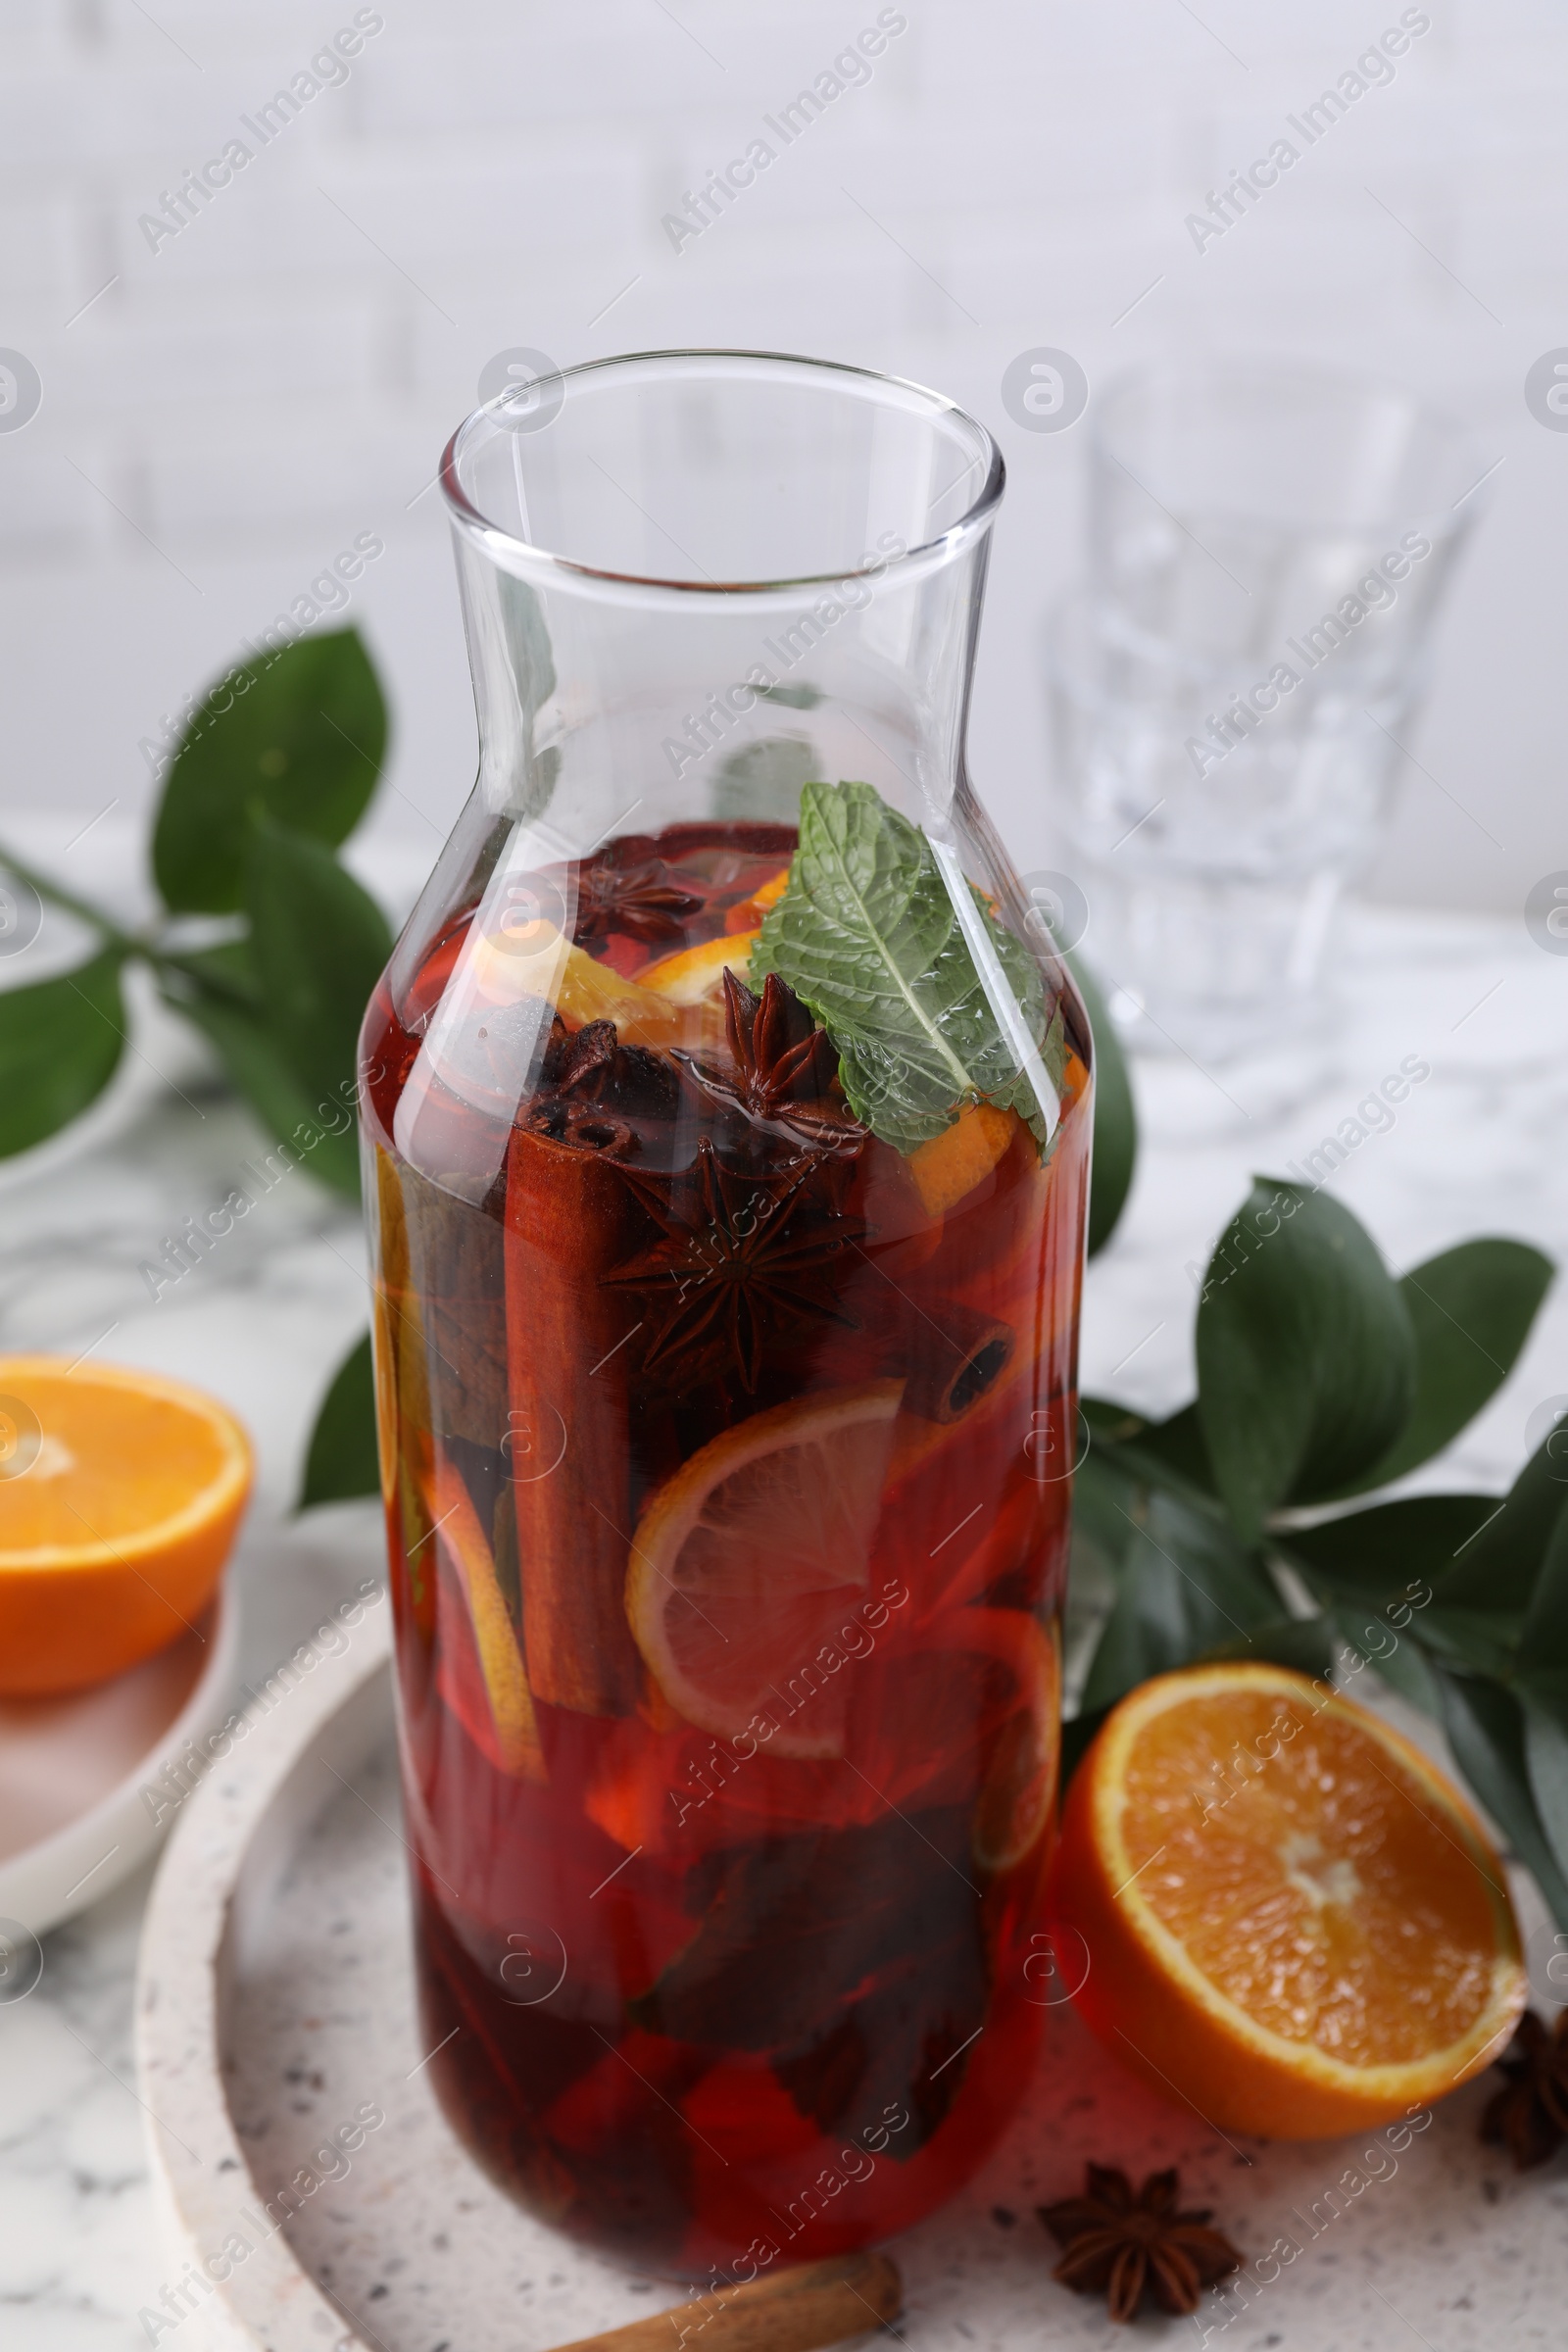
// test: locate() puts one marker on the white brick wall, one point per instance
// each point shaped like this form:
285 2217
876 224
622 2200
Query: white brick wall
228 410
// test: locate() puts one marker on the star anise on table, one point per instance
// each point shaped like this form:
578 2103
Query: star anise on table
638 899
783 1066
1118 2244
1529 2115
741 1259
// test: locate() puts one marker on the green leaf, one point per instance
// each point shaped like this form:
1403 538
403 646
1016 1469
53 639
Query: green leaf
1398 1657
1305 1357
1545 1704
1471 1310
868 936
1375 1555
227 970
300 734
762 781
1103 1499
60 1044
1305 1644
1166 1455
319 944
1187 1590
1544 1640
530 658
1499 1568
1486 1728
1115 1120
257 1072
1172 1453
1078 1735
341 1461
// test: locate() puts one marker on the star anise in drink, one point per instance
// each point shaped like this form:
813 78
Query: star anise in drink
639 900
590 1065
782 1065
741 1261
1529 2115
1118 2244
575 1060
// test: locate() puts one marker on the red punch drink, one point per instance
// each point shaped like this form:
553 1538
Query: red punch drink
727 1114
728 1189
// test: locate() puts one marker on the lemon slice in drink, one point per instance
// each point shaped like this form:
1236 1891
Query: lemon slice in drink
747 1561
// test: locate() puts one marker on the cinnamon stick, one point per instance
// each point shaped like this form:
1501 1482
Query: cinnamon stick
794 2310
567 1219
455 1271
402 1393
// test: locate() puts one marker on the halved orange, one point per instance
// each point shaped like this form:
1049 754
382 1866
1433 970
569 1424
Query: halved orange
744 1563
1294 1923
119 1495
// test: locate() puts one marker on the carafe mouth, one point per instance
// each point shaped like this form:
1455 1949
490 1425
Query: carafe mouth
713 472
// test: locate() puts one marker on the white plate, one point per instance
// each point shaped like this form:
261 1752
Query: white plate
73 1818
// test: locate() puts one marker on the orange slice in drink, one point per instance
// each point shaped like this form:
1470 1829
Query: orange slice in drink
119 1495
535 959
587 991
744 1562
1293 1921
965 1709
455 1524
954 1162
747 913
1018 1794
696 975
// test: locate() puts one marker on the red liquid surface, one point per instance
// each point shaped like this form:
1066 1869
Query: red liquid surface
712 1994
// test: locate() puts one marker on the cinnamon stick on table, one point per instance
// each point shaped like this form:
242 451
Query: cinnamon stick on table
568 1214
793 2310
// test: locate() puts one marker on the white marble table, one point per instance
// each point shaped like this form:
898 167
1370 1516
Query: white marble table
1479 1146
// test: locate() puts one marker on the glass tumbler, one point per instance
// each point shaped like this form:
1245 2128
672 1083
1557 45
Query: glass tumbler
1233 688
727 1144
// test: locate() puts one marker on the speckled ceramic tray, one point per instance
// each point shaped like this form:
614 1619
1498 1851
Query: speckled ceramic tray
275 2015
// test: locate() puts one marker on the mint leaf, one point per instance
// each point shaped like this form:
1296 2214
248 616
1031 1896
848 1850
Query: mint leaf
868 937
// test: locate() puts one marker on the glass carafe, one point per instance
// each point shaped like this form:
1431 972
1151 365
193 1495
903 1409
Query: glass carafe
727 1154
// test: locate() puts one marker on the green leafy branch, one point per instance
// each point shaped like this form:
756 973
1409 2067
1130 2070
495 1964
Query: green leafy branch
263 939
1224 1532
